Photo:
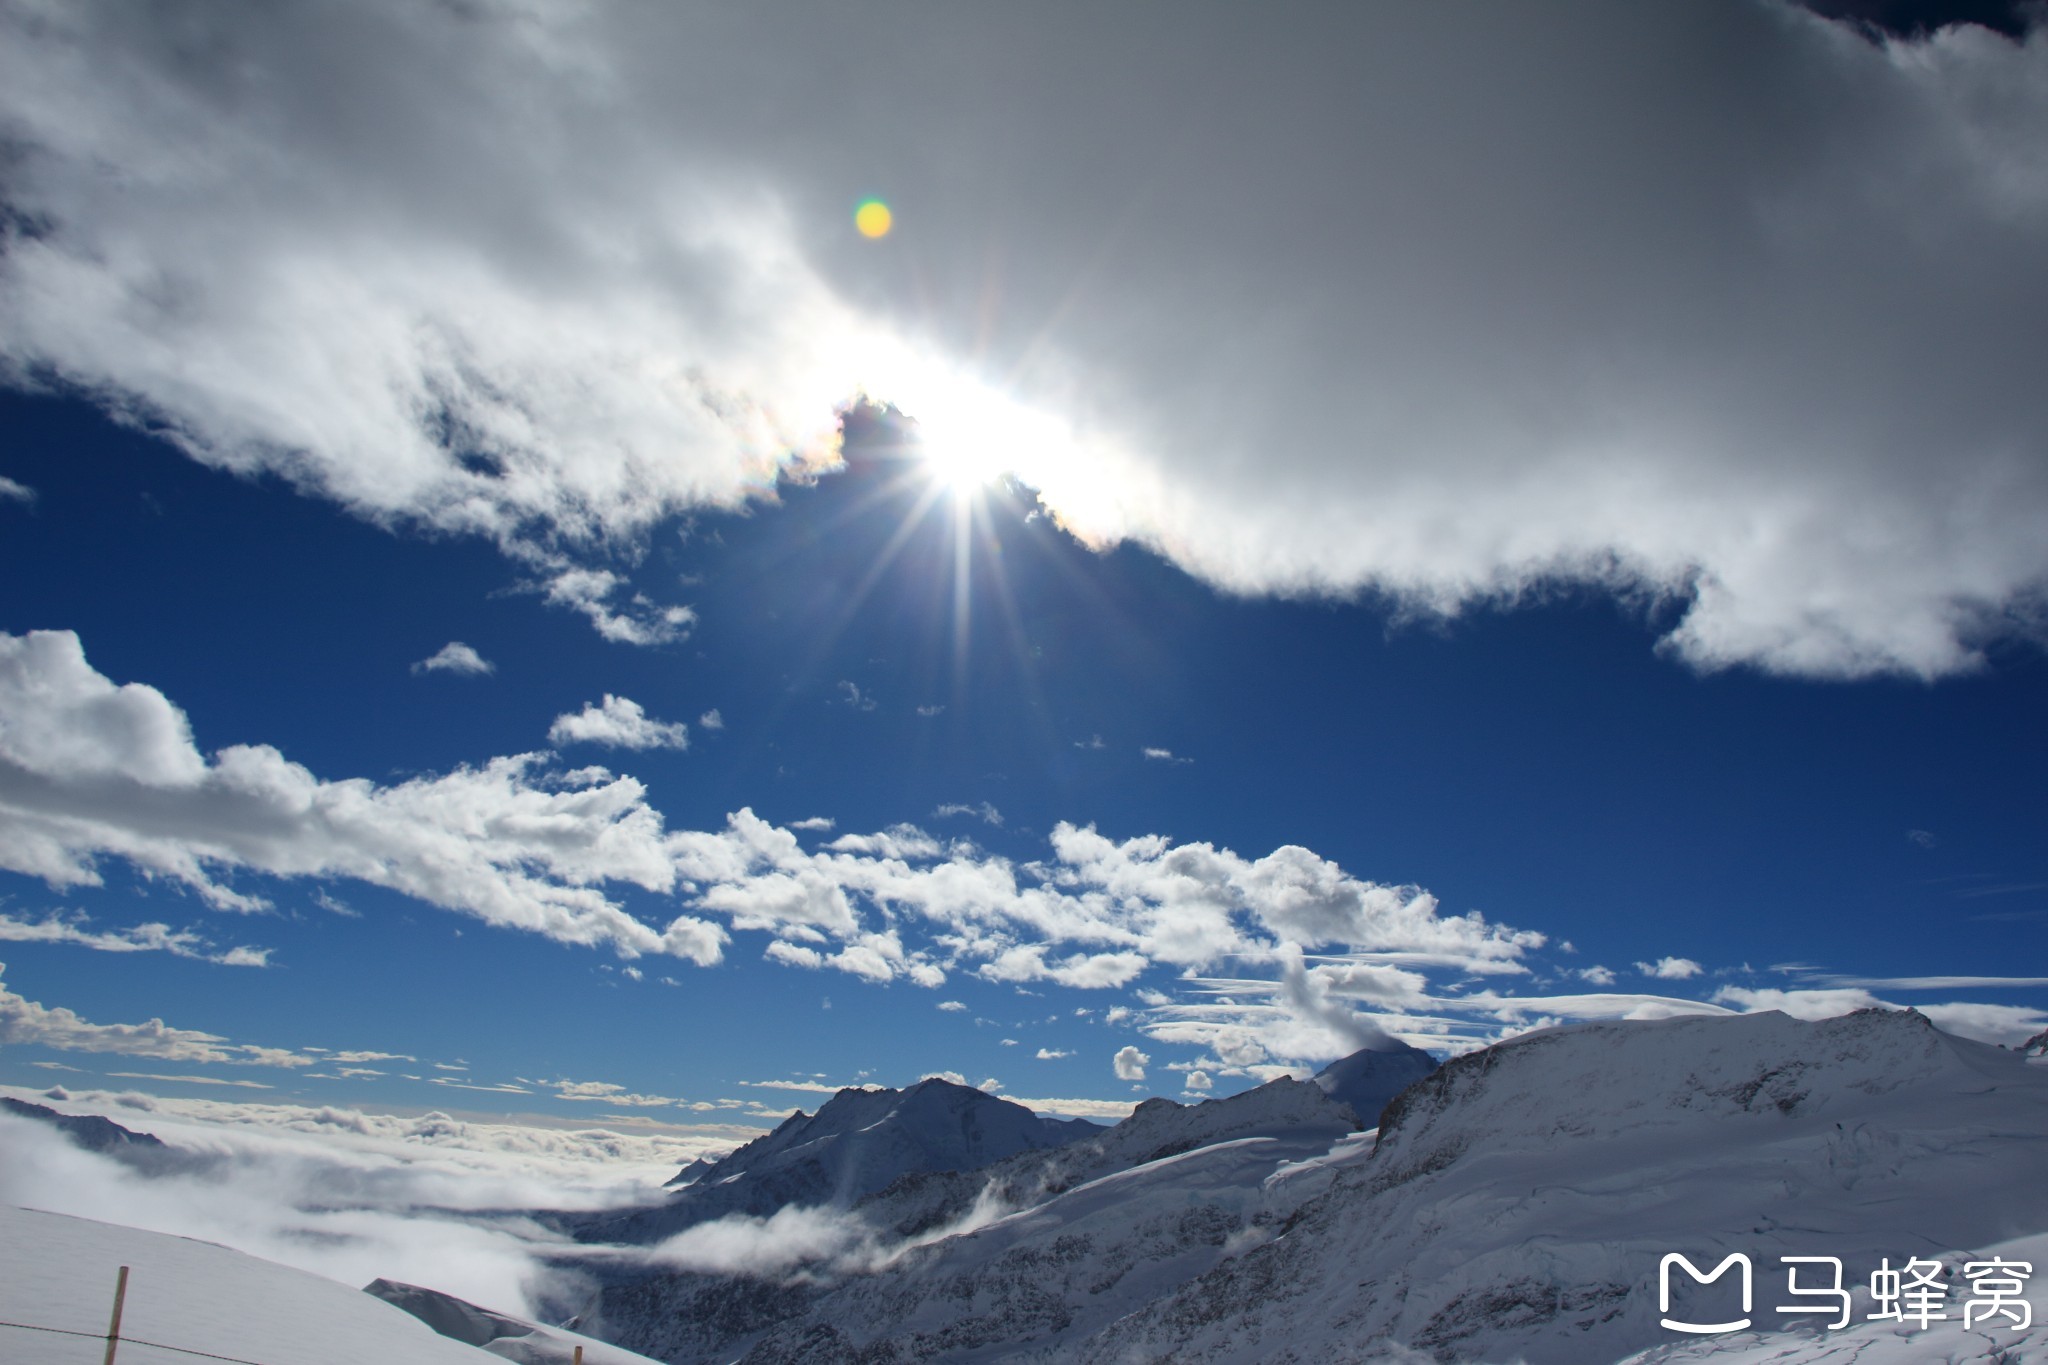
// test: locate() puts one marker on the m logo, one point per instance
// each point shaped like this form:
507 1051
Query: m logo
1664 1291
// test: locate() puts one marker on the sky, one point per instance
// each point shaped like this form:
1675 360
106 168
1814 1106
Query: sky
517 601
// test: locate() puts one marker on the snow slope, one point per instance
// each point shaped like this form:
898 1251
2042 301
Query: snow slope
59 1272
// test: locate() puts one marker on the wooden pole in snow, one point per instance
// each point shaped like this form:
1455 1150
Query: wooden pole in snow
579 1355
114 1327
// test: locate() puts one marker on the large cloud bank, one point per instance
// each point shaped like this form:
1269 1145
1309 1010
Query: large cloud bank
1719 304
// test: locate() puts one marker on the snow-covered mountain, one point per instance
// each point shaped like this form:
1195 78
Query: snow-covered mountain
858 1143
1515 1205
1519 1202
1369 1079
919 1227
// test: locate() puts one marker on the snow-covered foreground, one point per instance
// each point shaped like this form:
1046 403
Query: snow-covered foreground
59 1272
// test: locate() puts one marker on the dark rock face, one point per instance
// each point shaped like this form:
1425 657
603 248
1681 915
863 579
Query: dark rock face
143 1151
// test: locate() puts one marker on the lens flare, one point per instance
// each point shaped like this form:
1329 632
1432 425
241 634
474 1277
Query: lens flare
873 218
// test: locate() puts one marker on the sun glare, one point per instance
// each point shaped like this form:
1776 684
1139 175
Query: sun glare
873 218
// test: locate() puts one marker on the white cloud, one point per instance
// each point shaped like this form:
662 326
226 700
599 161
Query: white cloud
819 823
952 1006
1671 968
621 616
2006 1024
1199 1080
353 1194
603 273
605 1092
1102 1111
10 491
1129 1064
1049 1054
982 811
1164 756
711 720
1596 976
855 698
26 1023
96 770
619 723
141 938
455 657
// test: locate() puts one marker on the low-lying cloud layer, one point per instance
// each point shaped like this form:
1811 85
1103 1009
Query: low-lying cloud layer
1722 306
347 1194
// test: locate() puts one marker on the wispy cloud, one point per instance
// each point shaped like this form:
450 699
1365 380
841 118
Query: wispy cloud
10 491
1671 968
60 927
26 1022
981 811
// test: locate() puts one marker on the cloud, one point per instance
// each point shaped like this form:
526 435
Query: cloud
10 491
618 723
1092 742
1582 309
1671 968
89 769
929 711
1199 1081
57 927
819 823
952 1006
1921 837
1129 1064
605 1092
26 1023
603 597
1596 975
982 811
711 720
455 657
1049 1054
2005 1024
855 698
1164 756
353 1194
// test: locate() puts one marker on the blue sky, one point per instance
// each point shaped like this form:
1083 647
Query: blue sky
562 624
